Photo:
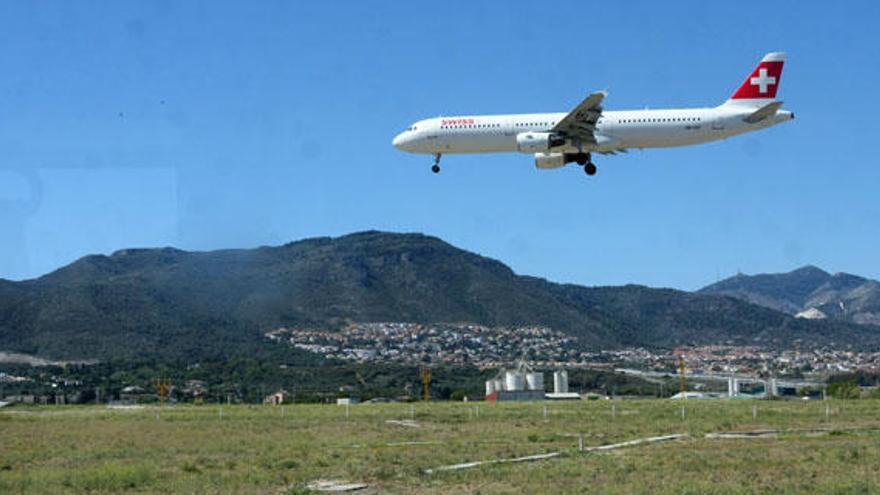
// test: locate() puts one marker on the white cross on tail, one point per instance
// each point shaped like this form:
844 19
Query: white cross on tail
762 81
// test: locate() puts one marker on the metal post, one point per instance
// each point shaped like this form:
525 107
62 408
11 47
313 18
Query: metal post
682 413
221 413
754 412
613 411
412 412
545 412
581 442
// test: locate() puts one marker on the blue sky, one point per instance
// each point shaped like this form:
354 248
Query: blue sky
207 125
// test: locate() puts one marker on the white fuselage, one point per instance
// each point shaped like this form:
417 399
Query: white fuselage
615 130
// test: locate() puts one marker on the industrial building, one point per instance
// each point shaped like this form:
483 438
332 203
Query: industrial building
560 387
521 383
524 383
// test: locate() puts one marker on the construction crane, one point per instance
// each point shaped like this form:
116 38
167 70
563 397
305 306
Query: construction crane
426 380
682 385
360 378
163 386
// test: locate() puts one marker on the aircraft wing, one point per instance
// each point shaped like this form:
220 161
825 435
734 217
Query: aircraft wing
581 122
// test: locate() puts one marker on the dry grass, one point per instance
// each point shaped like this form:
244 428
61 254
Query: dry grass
257 449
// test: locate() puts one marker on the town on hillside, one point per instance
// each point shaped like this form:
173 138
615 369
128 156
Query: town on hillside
468 344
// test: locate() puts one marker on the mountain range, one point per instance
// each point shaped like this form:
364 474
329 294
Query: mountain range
808 292
172 304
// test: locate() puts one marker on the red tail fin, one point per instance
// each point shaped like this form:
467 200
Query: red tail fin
763 82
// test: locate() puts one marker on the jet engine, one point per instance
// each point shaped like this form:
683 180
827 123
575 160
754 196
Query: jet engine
549 160
532 142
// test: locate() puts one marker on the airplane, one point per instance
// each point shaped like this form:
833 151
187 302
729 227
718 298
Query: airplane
557 139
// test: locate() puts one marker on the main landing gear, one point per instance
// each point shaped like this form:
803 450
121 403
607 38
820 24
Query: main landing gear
586 161
436 166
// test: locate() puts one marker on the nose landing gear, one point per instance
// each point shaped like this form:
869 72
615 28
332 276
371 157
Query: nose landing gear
590 168
436 166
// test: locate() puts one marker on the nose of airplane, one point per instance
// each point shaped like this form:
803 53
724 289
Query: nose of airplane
397 141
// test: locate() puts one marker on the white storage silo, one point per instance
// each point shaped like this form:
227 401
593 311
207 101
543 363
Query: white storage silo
499 384
490 387
535 381
514 381
560 382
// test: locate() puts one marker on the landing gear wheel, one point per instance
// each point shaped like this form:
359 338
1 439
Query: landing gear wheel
590 169
435 169
582 159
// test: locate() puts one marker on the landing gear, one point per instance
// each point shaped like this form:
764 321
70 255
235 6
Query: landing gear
436 166
584 160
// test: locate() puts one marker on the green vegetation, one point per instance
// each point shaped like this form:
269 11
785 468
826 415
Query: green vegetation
275 449
844 390
167 304
250 380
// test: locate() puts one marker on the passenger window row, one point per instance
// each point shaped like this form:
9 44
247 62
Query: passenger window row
673 119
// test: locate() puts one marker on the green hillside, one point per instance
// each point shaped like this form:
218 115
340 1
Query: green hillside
167 303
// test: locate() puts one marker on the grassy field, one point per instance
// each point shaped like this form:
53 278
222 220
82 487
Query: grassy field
270 449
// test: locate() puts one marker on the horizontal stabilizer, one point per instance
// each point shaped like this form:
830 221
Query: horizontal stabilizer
762 113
